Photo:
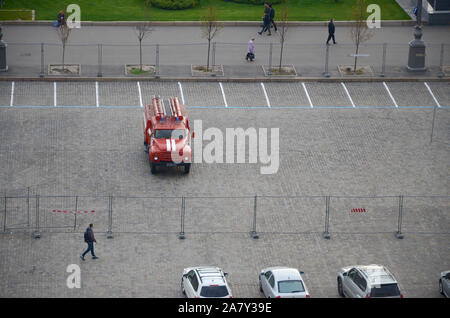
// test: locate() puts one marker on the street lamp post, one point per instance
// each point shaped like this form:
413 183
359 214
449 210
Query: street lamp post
416 58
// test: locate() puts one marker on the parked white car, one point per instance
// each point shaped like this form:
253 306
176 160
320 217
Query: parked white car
444 284
205 282
282 282
367 281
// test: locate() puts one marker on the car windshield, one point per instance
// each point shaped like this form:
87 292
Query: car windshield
170 133
385 290
214 291
291 286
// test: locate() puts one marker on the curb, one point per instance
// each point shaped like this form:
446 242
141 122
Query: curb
385 23
226 79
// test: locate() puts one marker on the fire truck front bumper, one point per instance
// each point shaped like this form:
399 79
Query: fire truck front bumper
170 164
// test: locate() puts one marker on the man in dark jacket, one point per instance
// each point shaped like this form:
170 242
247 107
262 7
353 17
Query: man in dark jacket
331 31
89 238
266 24
272 17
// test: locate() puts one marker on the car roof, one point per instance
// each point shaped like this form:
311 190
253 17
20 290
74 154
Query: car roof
210 275
285 273
377 274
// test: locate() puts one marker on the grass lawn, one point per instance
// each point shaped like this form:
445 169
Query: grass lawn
15 15
134 10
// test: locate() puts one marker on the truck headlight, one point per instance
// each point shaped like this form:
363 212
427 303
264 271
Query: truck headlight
155 158
186 158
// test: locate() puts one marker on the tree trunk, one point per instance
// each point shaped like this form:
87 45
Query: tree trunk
63 56
356 57
281 55
140 55
207 61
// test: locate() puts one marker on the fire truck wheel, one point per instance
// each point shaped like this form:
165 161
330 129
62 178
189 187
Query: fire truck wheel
153 168
187 168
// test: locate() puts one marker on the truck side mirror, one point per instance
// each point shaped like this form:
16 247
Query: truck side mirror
193 134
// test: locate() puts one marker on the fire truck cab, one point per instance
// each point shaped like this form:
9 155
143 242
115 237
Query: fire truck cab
167 136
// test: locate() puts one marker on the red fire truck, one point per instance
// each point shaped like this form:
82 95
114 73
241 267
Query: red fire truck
167 136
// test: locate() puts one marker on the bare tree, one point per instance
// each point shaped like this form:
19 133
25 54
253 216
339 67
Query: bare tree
210 26
143 30
283 27
359 32
63 34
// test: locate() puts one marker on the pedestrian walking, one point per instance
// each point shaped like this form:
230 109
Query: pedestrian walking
266 24
89 238
251 50
331 30
272 17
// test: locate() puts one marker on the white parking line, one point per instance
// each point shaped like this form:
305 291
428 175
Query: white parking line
54 94
12 95
140 94
223 94
265 94
181 93
96 94
389 92
432 95
307 95
348 94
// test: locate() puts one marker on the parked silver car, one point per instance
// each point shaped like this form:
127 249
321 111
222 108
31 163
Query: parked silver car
367 281
444 284
282 282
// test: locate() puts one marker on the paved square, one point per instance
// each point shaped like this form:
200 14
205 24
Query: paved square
75 158
328 95
33 94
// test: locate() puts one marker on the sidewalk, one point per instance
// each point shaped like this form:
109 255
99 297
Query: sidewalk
181 47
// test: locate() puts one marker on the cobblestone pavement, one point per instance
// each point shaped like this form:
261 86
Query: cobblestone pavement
372 149
232 94
143 265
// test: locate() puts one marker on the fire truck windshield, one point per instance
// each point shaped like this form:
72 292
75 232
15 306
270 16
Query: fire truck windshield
170 133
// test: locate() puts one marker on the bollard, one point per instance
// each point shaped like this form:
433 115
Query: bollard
399 234
253 233
326 233
181 235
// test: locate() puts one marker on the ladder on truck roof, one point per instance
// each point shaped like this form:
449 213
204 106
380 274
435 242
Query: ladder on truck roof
166 108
